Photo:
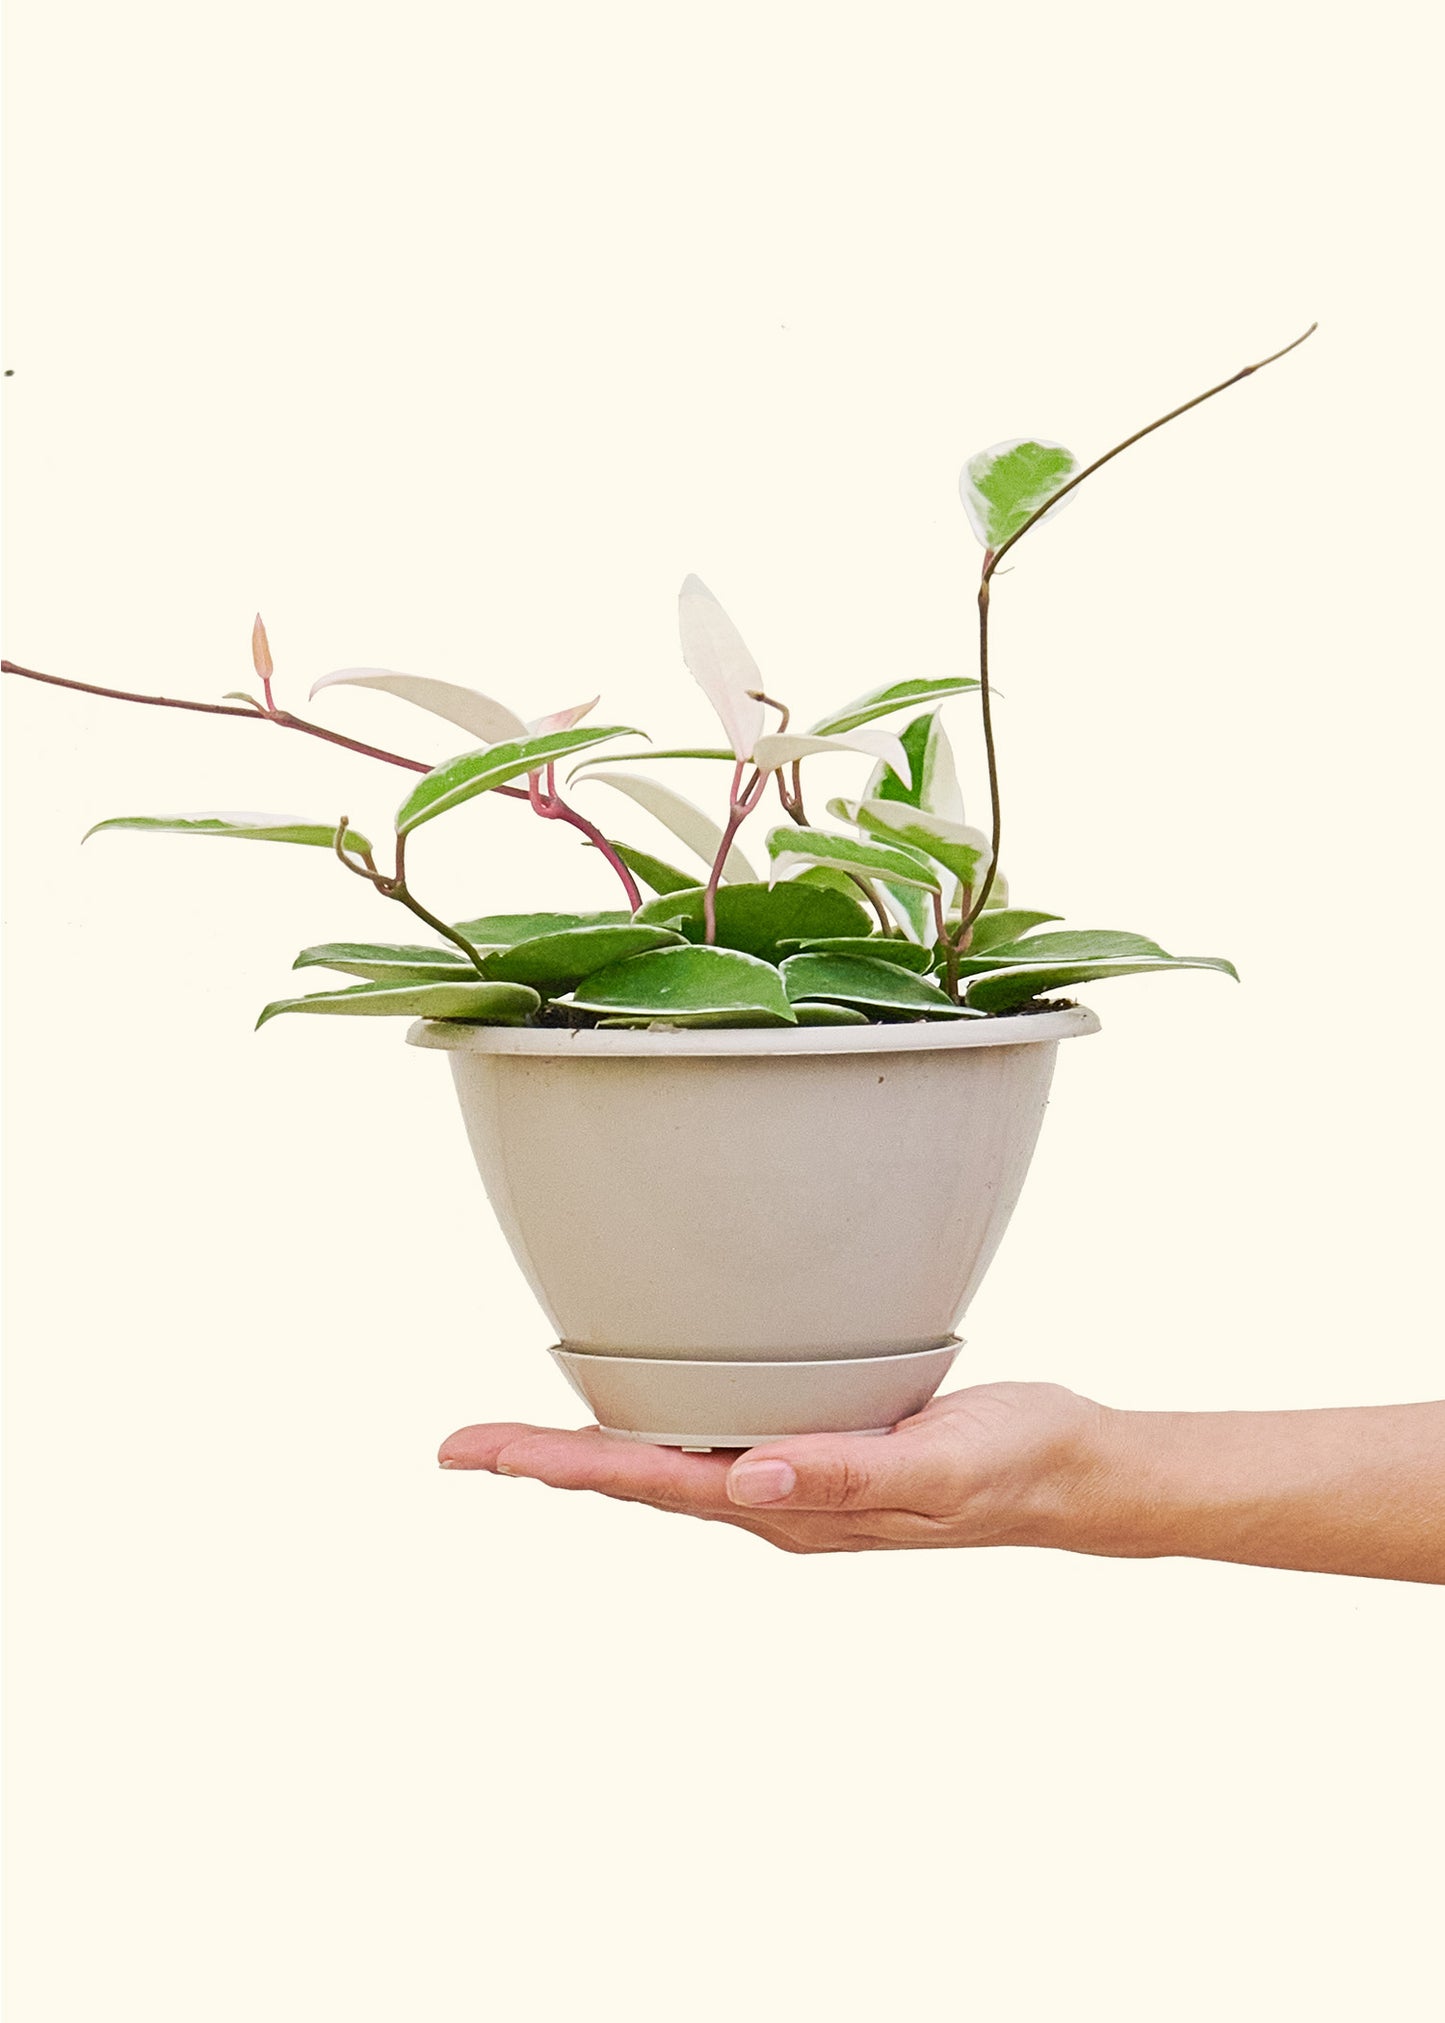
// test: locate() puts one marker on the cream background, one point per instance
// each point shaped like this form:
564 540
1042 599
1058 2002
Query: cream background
452 337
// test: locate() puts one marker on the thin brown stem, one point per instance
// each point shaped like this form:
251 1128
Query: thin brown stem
950 951
250 714
970 914
992 558
784 713
396 889
367 868
1138 436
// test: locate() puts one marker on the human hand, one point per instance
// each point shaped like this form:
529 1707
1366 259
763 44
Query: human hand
1002 1464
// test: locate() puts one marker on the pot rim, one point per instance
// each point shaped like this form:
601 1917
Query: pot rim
721 1042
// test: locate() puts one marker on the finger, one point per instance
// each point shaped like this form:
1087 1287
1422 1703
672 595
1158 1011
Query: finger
479 1446
664 1476
911 1468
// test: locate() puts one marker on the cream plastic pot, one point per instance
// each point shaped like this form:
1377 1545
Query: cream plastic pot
742 1234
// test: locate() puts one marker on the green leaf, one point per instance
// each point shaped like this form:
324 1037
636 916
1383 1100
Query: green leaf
244 828
811 1014
686 820
873 986
757 918
1003 990
566 957
793 847
1078 944
884 701
493 1004
909 955
1007 924
501 930
461 779
1002 486
651 870
961 850
690 987
388 961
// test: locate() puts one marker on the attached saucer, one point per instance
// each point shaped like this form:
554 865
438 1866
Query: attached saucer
664 1401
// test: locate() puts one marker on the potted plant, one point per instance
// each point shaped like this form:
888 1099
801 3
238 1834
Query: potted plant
697 1114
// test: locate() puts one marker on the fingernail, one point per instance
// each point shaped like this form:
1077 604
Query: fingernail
448 1462
761 1482
503 1469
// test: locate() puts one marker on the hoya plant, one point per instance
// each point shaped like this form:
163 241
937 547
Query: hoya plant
891 907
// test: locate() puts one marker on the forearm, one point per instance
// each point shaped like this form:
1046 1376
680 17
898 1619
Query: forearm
1358 1491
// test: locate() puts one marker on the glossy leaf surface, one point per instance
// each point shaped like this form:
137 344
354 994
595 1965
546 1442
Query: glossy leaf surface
885 701
462 779
759 919
689 986
871 986
793 848
656 875
380 961
486 1003
549 960
242 828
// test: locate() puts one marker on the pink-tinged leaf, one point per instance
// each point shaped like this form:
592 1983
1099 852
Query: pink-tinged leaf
261 650
487 721
562 719
720 664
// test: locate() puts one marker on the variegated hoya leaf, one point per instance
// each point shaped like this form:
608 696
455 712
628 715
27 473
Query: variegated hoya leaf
794 848
489 722
720 664
689 987
930 779
502 930
871 986
494 1004
963 851
760 919
462 779
385 962
873 947
783 748
885 701
684 818
1005 485
548 961
243 828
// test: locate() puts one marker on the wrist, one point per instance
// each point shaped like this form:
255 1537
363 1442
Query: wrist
1113 1488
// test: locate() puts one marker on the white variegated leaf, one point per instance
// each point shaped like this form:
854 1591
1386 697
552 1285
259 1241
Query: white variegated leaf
683 817
964 851
720 664
489 722
1004 485
784 747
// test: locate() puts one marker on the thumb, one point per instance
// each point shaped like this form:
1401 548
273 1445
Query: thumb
820 1471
